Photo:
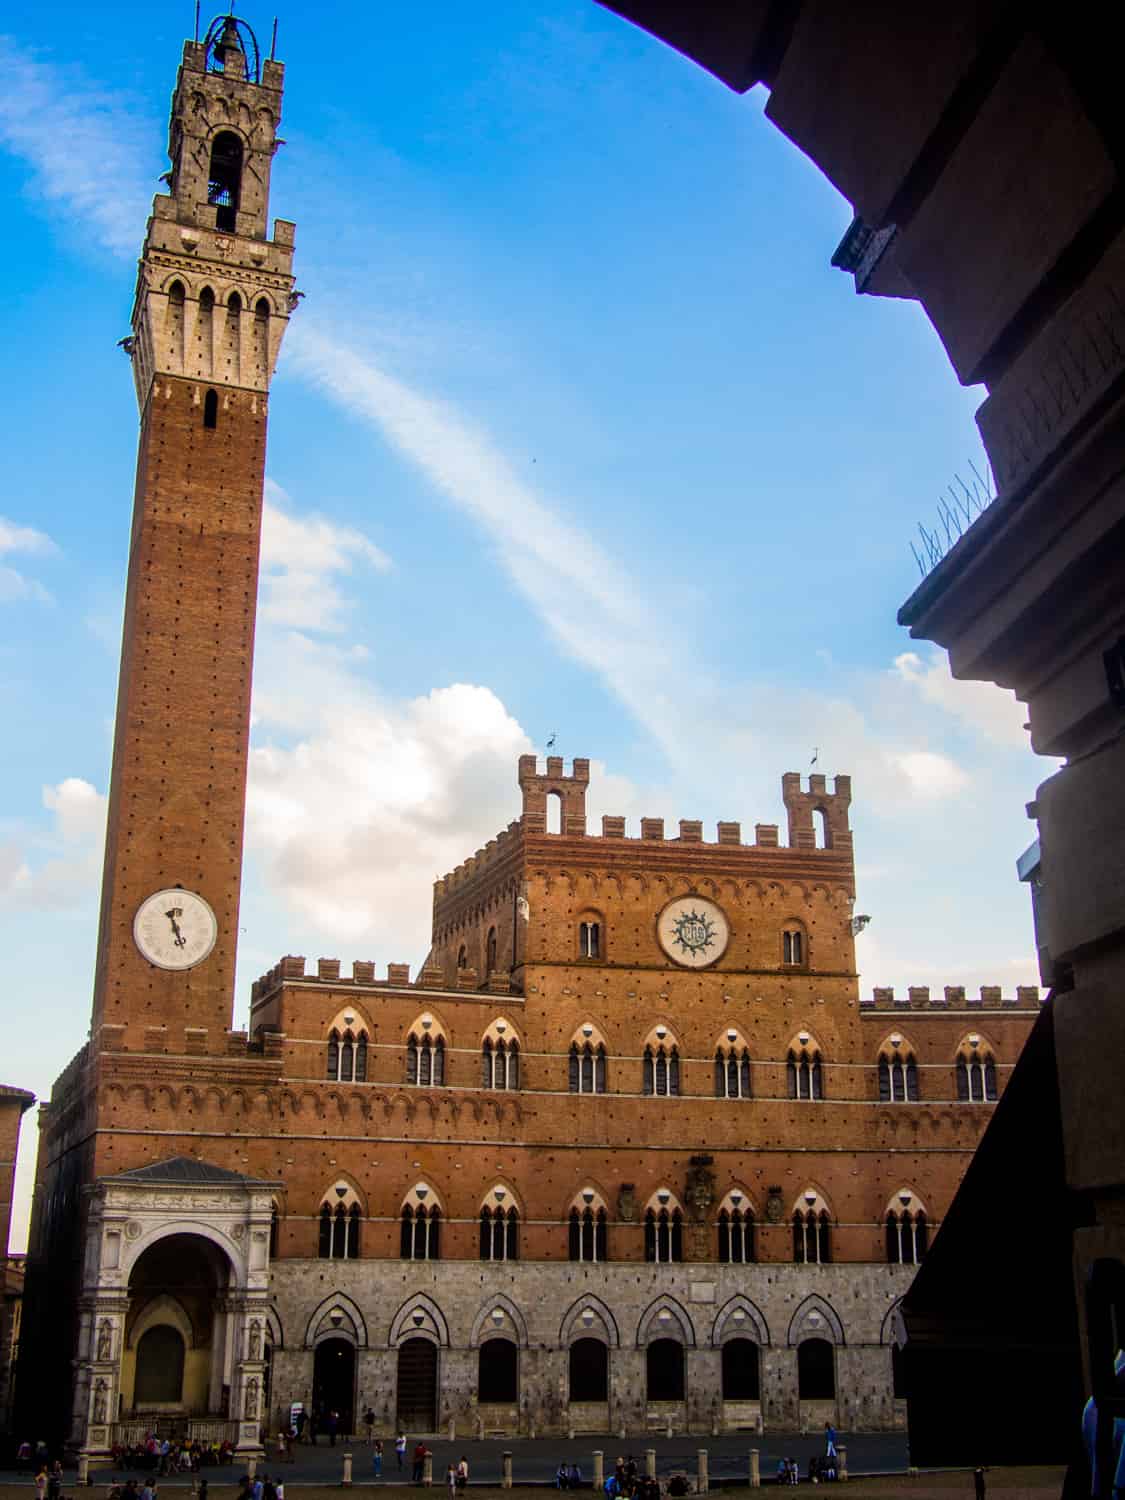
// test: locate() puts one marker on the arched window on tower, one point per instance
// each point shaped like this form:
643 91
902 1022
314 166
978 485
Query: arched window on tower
898 1072
736 1229
587 1062
588 1227
976 1072
664 1228
803 1071
210 406
421 1225
907 1230
812 1225
590 936
490 952
224 180
732 1067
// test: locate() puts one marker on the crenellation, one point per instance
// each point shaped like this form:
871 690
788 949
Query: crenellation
398 974
730 833
328 968
363 971
691 831
652 828
766 835
953 997
612 827
919 995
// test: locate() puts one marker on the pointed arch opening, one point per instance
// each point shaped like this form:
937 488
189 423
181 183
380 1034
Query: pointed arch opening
224 180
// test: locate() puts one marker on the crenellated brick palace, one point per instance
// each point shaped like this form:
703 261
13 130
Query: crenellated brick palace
629 1150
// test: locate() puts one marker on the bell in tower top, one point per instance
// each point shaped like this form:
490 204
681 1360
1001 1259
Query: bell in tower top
232 49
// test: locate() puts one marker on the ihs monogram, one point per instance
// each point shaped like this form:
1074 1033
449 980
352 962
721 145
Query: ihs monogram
693 931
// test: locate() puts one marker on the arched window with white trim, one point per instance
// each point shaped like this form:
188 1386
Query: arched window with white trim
425 1054
499 1226
898 1071
347 1055
803 1069
420 1234
588 1227
587 1061
736 1229
794 945
812 1230
500 1057
907 1229
664 1228
660 1064
732 1066
976 1071
591 936
338 1223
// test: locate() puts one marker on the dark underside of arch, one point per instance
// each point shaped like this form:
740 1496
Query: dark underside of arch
992 1365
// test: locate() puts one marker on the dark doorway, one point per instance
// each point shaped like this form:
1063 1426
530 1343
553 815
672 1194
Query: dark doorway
740 1370
160 1367
417 1386
498 1372
589 1370
334 1384
816 1370
664 1364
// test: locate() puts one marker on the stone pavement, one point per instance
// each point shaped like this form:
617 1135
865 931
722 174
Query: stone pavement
535 1460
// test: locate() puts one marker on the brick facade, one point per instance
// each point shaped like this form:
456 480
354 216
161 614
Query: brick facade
631 973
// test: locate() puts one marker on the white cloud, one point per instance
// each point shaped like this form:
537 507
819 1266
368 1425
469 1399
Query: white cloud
88 150
982 707
62 868
931 774
301 558
15 585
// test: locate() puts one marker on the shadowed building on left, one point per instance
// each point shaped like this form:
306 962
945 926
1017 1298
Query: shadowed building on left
13 1103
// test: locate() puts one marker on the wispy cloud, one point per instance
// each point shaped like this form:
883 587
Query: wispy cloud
26 540
77 138
303 559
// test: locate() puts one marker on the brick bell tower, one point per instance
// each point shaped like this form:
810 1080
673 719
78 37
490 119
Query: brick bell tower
214 294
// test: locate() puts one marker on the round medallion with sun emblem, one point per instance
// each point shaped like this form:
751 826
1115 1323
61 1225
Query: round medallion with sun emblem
693 931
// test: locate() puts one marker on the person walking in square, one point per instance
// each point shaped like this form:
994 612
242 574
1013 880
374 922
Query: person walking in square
400 1449
377 1458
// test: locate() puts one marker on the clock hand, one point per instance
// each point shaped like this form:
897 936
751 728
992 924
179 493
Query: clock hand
180 940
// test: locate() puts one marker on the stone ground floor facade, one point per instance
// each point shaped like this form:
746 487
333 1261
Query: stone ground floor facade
471 1349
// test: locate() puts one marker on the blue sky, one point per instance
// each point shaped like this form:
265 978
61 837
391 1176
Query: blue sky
576 430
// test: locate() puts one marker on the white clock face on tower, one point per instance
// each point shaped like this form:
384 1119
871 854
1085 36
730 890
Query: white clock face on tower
175 929
693 931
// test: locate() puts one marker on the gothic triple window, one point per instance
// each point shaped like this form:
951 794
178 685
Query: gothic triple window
588 1227
812 1230
338 1225
907 1230
736 1229
732 1067
586 1070
664 1229
660 1065
976 1072
500 1058
803 1072
425 1056
347 1056
898 1073
499 1227
420 1233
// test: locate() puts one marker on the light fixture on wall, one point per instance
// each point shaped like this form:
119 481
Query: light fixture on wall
427 1022
501 1027
587 1030
732 1035
349 1020
662 1032
803 1038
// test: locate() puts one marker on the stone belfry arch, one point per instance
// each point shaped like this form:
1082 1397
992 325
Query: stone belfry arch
214 293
